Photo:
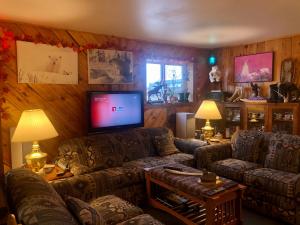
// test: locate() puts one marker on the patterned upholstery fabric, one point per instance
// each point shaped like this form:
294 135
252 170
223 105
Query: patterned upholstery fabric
143 219
84 213
98 183
274 181
183 158
77 168
273 190
189 184
149 162
246 145
35 201
264 148
101 151
132 145
115 210
284 153
165 144
106 150
188 145
276 206
232 168
208 154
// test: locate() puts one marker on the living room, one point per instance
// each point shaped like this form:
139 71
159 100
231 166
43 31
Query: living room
192 36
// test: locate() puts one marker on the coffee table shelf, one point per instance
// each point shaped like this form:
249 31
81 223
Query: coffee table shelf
192 211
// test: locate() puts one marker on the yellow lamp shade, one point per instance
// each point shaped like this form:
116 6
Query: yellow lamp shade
208 110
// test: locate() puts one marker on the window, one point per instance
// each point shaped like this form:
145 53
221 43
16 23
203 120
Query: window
169 82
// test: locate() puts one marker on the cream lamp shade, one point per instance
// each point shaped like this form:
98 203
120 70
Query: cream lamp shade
34 126
208 110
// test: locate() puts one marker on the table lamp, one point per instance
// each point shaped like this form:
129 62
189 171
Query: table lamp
34 126
208 110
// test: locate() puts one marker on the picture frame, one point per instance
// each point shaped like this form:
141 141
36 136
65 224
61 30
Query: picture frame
254 68
287 71
110 66
46 64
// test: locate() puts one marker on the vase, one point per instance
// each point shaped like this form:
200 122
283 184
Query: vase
184 97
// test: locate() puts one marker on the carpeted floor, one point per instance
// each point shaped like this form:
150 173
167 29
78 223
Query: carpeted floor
249 218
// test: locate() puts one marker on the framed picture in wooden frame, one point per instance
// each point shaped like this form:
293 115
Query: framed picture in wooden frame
253 68
287 71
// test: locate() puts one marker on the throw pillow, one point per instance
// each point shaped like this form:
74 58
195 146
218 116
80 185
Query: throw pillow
84 213
246 145
164 144
284 153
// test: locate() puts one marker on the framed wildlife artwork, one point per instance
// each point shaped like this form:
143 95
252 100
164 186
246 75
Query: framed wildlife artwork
46 64
253 68
109 66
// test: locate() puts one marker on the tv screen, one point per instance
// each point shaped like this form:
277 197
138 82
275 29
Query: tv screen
115 109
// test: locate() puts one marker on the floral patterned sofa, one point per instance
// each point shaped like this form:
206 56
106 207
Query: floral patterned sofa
114 163
35 202
267 163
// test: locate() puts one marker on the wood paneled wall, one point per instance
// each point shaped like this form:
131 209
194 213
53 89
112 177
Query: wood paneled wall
283 48
65 104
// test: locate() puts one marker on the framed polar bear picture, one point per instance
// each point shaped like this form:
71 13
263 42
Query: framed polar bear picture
46 64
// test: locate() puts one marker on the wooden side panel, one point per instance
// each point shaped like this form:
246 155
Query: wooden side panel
65 104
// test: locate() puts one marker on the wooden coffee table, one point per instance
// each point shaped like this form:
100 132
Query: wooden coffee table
191 201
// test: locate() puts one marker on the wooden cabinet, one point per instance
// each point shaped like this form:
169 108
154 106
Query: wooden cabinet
272 117
232 117
255 116
284 118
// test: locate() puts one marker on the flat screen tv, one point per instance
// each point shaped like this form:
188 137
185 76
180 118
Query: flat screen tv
110 110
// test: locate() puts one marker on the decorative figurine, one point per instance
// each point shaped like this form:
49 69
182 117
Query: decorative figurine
255 89
156 90
255 93
215 74
237 95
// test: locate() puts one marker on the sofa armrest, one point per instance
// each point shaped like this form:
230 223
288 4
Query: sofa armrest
188 145
206 155
81 186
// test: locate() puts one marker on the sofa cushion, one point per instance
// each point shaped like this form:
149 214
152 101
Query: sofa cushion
182 158
149 162
132 145
35 200
114 209
106 150
232 168
284 153
188 145
98 183
90 153
154 161
246 145
144 219
274 181
84 213
165 144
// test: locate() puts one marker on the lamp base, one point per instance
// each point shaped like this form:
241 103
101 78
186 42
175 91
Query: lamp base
207 130
36 159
